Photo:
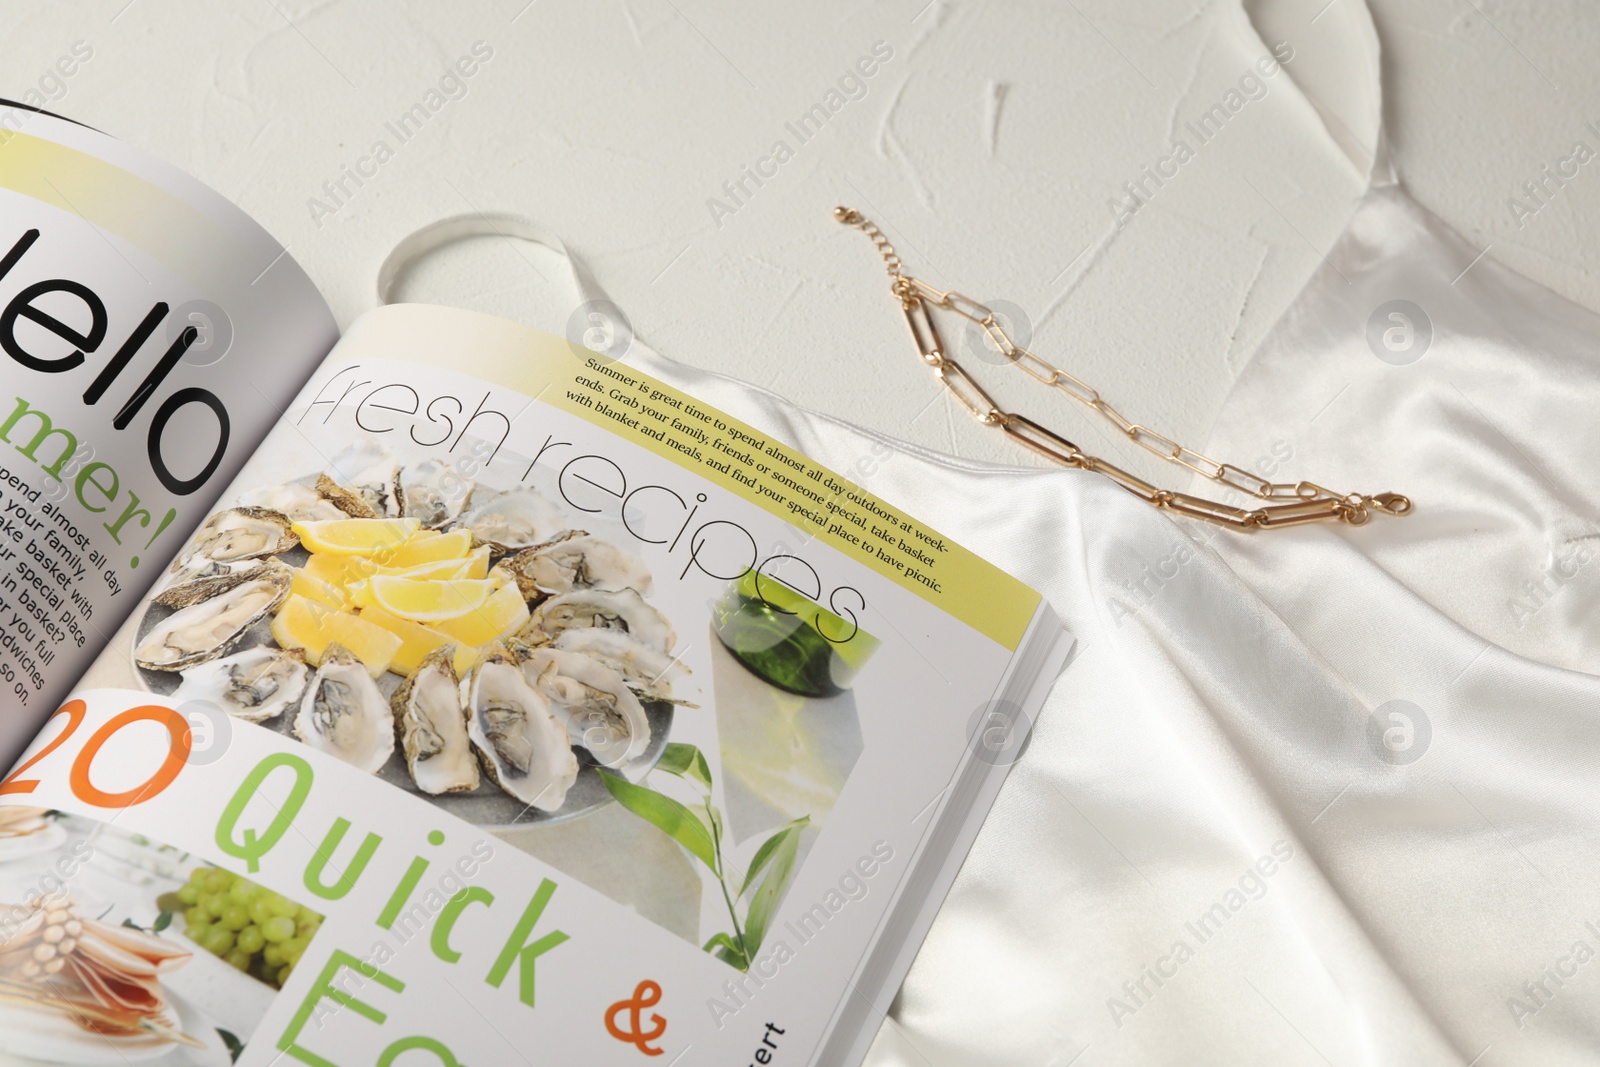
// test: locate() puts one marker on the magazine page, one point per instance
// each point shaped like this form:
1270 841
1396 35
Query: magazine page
150 335
580 724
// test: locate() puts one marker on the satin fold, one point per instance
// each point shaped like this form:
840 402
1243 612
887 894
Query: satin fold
1390 718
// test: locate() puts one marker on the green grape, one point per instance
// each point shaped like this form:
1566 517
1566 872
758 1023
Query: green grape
217 940
248 926
260 912
250 939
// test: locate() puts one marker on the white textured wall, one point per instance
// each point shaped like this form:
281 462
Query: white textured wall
989 145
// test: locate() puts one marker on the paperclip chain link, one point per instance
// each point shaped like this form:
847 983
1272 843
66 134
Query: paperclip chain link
1284 503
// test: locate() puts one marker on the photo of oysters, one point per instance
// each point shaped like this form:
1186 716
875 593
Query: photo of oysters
464 642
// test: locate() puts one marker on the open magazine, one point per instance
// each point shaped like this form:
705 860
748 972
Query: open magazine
445 692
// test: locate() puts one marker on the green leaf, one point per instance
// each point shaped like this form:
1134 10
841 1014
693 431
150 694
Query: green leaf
235 1046
765 853
727 951
666 815
780 870
685 761
163 921
720 939
733 958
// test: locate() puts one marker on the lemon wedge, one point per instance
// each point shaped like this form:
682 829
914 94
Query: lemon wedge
476 565
321 590
305 624
440 568
339 571
498 617
427 600
362 537
417 641
423 547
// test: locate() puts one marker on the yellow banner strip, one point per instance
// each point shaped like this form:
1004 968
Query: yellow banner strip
675 426
113 201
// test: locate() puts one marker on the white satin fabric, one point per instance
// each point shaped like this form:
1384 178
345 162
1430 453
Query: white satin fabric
1224 767
1231 695
1230 703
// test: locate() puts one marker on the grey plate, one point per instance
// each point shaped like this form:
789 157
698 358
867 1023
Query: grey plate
485 806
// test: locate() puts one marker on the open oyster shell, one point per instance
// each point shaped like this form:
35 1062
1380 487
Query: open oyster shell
344 713
295 501
254 685
432 726
233 536
649 672
347 502
523 749
575 560
592 701
370 471
213 614
621 609
434 493
514 520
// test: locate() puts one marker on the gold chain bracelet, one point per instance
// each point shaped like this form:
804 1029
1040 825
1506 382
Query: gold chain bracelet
1285 503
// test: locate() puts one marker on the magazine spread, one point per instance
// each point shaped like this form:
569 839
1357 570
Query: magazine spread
151 333
501 704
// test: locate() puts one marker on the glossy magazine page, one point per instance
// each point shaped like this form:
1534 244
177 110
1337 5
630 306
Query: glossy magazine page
551 717
150 334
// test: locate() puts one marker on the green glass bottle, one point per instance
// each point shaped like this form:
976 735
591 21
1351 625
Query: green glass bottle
788 639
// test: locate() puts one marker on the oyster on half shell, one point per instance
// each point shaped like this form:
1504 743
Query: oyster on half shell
434 492
649 672
344 713
295 501
523 749
213 614
513 520
621 609
347 502
254 685
233 536
370 471
573 560
433 727
592 701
